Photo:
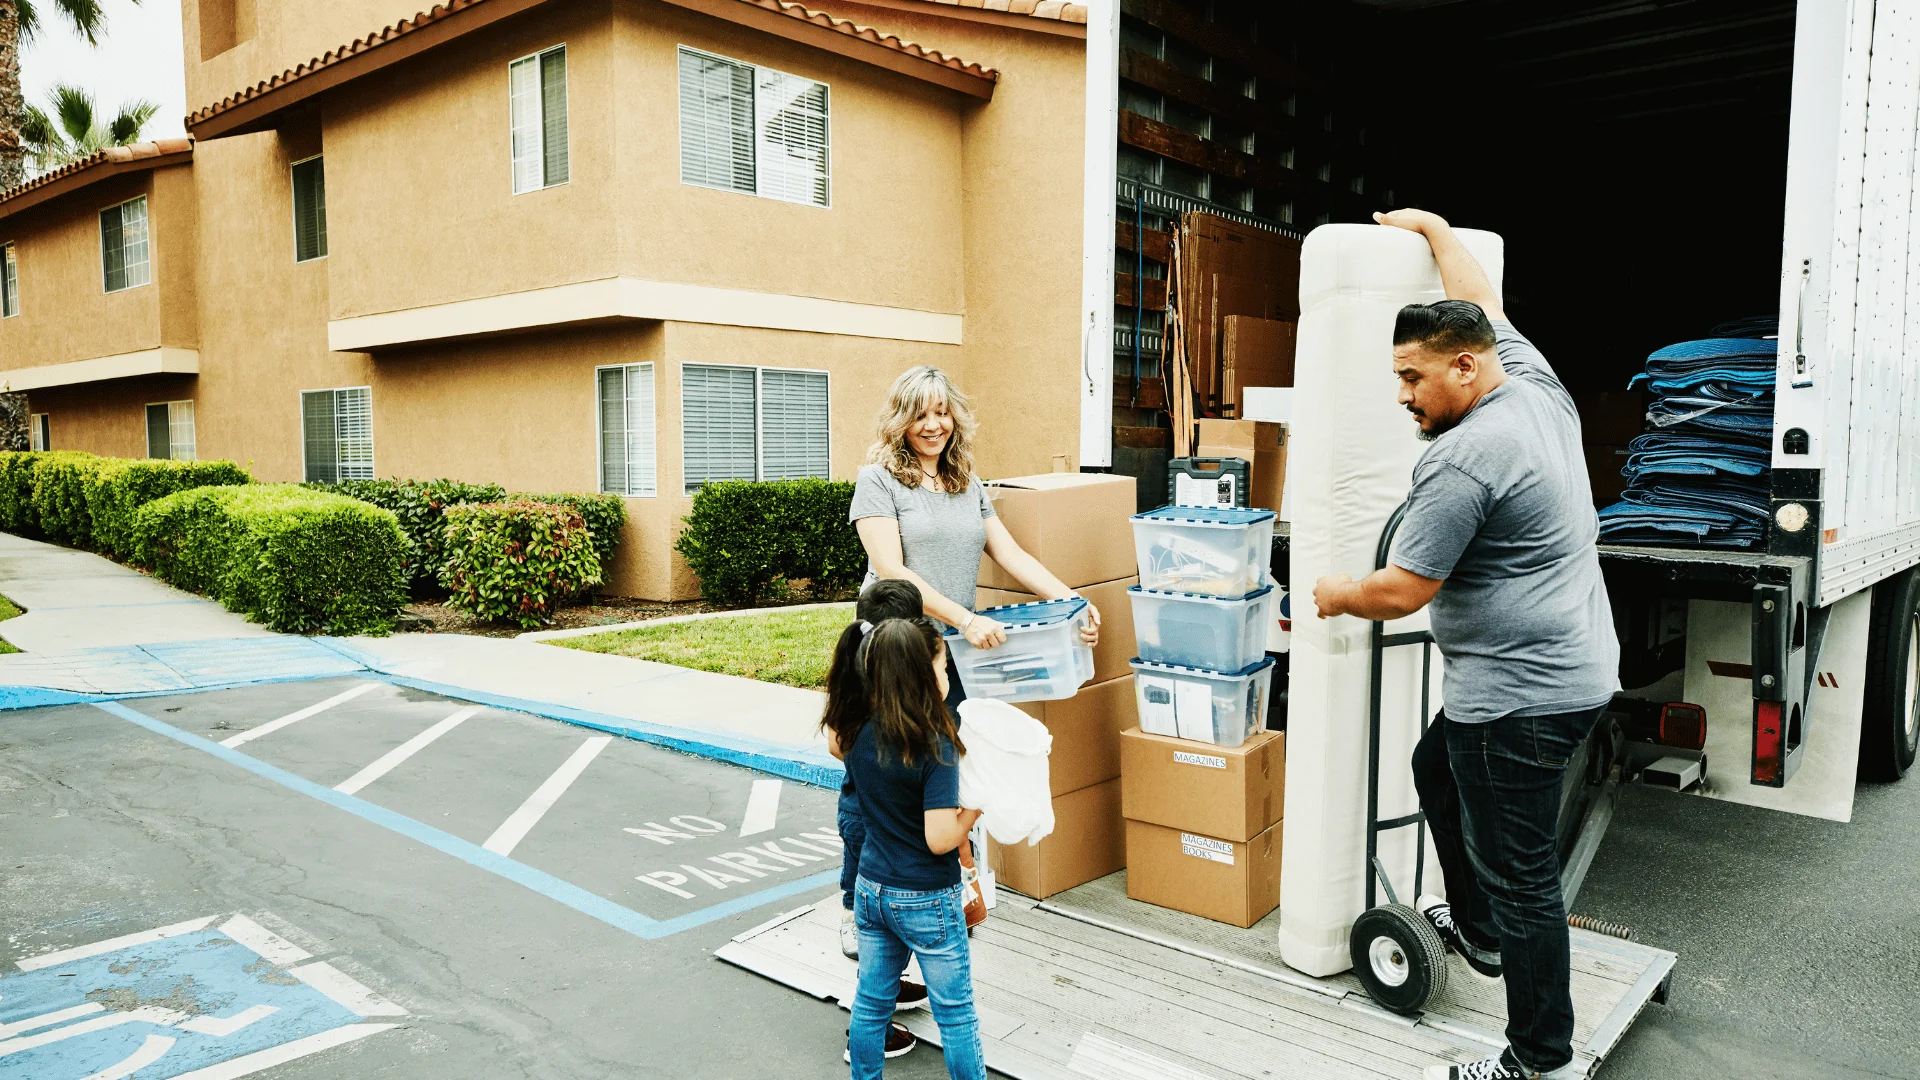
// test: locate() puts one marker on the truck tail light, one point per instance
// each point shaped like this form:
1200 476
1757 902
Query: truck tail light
1768 739
1683 725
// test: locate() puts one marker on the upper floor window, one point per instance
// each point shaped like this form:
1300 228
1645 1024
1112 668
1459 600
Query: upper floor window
753 130
627 464
123 244
743 423
39 432
170 430
537 92
9 284
309 210
336 434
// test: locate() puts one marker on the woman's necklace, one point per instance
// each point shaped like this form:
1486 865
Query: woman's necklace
932 480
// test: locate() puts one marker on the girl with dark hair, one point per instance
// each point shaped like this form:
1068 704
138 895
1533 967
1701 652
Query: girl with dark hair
908 897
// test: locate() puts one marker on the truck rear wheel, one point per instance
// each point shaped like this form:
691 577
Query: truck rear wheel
1398 957
1890 710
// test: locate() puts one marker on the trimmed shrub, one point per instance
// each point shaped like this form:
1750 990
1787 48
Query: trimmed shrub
420 506
515 561
748 539
17 514
605 515
296 561
60 480
118 487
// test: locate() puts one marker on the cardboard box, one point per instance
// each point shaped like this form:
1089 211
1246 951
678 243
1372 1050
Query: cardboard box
1088 842
1230 792
1074 523
1612 417
1603 472
1229 882
1116 646
1086 732
1258 352
1227 268
1263 445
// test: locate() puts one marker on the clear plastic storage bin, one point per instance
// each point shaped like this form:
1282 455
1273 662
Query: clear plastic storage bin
1212 550
1206 706
1191 630
1043 658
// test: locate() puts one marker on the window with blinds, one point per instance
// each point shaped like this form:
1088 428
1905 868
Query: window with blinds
9 283
39 432
309 210
170 430
336 433
626 430
537 98
123 245
743 423
753 130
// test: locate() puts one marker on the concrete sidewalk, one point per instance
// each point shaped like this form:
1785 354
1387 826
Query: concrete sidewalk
96 630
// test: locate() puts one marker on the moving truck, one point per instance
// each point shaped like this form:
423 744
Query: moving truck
1654 170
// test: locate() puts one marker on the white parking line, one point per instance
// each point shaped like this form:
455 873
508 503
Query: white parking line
398 754
763 808
58 1016
279 1055
345 990
272 947
522 821
35 963
272 726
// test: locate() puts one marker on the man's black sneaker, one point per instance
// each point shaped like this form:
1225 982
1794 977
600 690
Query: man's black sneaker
1498 1067
1484 962
899 1041
912 996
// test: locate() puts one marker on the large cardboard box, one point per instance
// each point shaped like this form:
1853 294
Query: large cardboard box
1263 445
1074 523
1229 792
1086 732
1116 646
1228 268
1088 841
1230 882
1258 352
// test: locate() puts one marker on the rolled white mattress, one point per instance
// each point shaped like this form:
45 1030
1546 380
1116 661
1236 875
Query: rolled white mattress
1351 462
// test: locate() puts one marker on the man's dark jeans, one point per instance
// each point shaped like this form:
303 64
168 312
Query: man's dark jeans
1491 793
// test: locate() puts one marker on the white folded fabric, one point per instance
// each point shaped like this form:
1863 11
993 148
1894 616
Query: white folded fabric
1004 771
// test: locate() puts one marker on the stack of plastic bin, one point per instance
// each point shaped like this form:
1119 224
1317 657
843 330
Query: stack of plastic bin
1200 617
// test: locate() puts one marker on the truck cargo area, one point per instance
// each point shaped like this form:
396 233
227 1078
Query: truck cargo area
1091 984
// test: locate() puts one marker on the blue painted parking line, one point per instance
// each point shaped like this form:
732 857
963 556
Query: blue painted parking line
564 892
189 1000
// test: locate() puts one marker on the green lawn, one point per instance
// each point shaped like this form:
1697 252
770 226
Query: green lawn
7 611
791 647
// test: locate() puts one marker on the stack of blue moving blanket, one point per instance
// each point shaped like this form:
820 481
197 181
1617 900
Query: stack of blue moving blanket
1699 478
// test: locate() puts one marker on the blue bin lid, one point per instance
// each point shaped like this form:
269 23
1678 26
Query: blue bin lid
1207 515
1254 595
1037 613
1251 669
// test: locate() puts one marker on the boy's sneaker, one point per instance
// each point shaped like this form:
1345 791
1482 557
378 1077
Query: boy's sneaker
1500 1066
899 1041
912 996
1484 962
849 937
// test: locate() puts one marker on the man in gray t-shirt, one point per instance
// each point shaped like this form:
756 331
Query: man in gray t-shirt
1498 538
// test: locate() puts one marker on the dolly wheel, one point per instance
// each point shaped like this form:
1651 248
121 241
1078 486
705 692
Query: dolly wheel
1399 957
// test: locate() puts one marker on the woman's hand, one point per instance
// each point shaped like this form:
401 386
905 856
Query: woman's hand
1090 633
984 633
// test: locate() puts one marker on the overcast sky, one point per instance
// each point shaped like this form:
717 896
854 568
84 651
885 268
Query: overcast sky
139 57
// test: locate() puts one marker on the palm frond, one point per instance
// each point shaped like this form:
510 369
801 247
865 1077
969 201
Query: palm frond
29 19
73 107
125 127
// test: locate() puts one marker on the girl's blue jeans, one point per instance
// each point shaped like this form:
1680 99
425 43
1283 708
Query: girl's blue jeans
895 924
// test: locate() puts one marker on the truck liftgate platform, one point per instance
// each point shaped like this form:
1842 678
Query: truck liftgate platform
1092 984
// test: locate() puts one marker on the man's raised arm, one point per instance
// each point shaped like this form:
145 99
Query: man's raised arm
1460 272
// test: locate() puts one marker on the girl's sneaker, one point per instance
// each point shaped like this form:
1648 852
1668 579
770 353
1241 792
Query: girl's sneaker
912 996
899 1041
849 937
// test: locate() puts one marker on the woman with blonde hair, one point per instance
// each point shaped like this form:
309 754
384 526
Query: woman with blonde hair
924 516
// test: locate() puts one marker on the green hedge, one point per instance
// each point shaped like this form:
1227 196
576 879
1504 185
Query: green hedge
17 514
296 561
515 561
60 495
749 539
116 488
420 506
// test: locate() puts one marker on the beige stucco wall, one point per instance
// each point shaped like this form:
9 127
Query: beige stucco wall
280 34
66 314
107 418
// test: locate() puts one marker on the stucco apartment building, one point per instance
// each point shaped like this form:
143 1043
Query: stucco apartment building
613 245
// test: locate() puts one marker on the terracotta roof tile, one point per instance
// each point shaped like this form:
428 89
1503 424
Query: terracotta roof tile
438 12
1039 9
114 155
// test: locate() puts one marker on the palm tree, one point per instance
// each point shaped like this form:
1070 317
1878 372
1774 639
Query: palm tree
19 21
72 132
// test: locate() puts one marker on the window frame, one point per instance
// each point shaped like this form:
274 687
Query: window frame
293 184
759 415
300 406
566 98
755 69
600 434
10 282
146 221
172 422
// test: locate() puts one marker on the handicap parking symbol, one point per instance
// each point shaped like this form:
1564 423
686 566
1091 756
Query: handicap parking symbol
215 997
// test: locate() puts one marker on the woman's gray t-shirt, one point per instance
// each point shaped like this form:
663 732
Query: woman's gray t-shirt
941 535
